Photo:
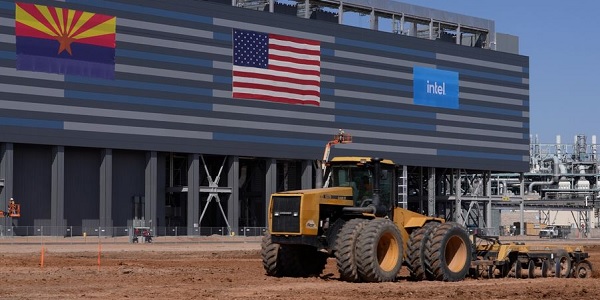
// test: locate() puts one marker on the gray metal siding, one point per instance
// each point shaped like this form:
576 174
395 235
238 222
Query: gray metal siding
128 181
82 193
32 164
172 92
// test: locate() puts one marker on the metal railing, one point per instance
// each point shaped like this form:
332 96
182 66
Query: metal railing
83 231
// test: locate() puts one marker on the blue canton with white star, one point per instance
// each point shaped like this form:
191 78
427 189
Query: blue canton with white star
250 49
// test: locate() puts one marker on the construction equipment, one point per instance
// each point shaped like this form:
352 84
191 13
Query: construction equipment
495 259
14 210
359 222
341 138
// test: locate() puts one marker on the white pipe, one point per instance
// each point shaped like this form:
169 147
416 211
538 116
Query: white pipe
555 167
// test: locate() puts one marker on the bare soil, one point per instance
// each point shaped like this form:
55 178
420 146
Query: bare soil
229 268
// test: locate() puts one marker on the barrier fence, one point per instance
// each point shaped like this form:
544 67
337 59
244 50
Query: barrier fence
82 231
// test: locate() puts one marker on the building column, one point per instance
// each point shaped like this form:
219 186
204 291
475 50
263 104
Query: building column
414 29
6 184
193 194
233 201
431 193
307 9
458 216
270 184
402 24
421 191
6 174
373 20
106 177
57 197
488 205
150 189
431 24
522 205
307 174
341 13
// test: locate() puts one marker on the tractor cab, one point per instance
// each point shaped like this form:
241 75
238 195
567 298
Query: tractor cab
358 173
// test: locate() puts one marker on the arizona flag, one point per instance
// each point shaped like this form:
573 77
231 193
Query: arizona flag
276 68
64 41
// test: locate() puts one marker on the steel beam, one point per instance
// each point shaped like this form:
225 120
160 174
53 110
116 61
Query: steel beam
431 193
270 183
233 201
193 195
57 196
458 215
213 190
106 176
150 189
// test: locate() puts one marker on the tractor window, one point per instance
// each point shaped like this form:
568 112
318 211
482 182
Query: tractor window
387 187
364 182
361 180
342 176
345 176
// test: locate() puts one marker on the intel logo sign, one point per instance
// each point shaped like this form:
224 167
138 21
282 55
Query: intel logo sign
436 88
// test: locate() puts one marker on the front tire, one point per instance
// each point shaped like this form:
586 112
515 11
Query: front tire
379 251
284 260
270 257
345 254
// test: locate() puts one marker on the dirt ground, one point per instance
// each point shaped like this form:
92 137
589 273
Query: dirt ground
228 268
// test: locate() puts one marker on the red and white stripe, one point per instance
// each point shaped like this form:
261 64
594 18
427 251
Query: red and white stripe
293 74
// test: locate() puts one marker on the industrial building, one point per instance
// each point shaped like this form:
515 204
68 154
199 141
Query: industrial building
186 115
560 188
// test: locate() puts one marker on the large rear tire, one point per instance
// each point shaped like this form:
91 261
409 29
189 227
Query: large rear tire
448 253
416 251
345 250
379 251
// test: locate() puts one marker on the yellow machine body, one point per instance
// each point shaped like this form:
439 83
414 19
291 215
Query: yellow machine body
308 208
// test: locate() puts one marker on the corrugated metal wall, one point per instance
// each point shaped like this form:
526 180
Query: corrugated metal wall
128 181
172 92
82 193
33 167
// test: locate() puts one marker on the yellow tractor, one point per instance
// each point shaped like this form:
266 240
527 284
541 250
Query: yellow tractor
358 221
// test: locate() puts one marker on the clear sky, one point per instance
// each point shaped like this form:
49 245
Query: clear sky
562 41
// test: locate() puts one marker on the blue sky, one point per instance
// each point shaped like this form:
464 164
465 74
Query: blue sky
562 42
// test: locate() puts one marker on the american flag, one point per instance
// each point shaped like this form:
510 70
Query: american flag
276 68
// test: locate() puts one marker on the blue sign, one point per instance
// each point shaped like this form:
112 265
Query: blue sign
434 87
